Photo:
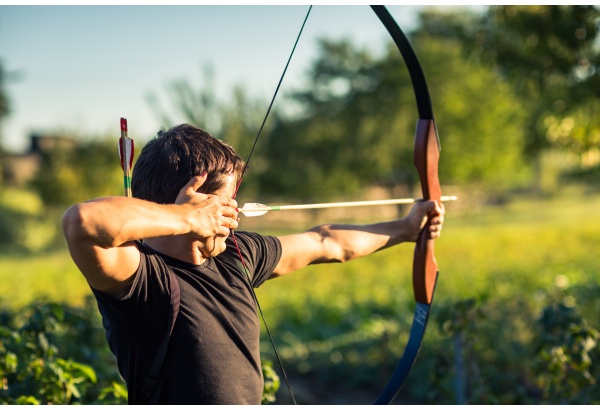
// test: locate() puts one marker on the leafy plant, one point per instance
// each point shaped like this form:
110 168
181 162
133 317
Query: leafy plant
564 362
272 382
32 368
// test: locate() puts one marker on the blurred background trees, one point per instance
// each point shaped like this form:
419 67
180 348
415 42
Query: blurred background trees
515 92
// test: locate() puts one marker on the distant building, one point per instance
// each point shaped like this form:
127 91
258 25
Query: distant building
18 169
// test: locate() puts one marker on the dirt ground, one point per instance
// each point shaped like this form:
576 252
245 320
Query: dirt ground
308 392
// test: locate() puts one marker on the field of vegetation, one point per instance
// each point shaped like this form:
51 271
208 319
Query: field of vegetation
341 328
501 269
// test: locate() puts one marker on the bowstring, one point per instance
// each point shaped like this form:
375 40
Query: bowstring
246 271
271 104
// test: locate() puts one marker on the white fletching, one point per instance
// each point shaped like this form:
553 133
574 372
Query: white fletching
254 209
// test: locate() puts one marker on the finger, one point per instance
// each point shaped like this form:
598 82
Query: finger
229 211
433 234
194 183
227 225
222 231
440 209
229 202
437 220
435 228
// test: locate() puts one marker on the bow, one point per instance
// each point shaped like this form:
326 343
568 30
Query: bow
426 157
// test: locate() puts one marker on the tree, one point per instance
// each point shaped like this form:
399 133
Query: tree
4 100
236 122
481 119
551 55
360 116
71 173
353 124
348 134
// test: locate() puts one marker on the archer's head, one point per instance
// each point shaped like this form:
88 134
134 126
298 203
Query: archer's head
173 157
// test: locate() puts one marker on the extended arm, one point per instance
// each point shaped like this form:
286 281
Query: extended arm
100 233
341 243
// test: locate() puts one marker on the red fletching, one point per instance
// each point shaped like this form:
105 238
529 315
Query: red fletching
125 148
131 154
126 152
121 142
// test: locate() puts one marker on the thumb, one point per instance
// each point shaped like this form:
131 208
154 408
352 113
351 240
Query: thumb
419 213
429 206
433 208
196 182
190 188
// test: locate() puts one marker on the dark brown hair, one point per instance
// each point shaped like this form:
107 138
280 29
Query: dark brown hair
173 157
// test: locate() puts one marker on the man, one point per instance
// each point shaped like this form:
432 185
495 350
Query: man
179 222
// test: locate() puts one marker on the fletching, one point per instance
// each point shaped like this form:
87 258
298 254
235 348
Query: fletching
126 146
126 156
255 209
126 149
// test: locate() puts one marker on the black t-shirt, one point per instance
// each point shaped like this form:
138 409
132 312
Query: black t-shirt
213 355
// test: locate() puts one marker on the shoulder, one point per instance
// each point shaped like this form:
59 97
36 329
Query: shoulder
259 253
253 241
151 275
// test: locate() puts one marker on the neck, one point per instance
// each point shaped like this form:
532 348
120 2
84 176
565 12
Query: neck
178 247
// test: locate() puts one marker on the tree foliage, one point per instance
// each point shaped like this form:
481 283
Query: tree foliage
75 173
353 123
352 131
551 56
5 108
236 122
480 118
361 115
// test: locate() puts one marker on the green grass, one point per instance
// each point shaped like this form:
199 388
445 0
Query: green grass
52 276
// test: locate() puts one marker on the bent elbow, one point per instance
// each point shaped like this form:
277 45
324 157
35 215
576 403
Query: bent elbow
72 223
333 248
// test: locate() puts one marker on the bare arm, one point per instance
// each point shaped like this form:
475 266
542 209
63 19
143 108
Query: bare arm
100 233
341 243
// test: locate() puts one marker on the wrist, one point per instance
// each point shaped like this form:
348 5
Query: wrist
407 231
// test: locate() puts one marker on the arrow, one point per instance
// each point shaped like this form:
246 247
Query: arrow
256 209
126 156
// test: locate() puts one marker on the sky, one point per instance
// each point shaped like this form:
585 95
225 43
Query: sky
80 68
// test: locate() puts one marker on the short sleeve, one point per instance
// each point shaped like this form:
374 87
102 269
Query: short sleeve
147 297
261 254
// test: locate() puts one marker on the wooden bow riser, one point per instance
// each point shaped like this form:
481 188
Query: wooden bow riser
426 158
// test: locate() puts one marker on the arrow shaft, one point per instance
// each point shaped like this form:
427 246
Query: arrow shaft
340 204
